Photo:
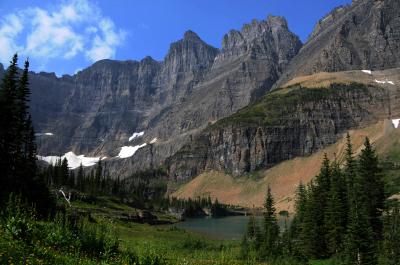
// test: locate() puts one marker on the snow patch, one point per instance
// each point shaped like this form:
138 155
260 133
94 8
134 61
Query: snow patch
154 140
128 151
367 72
384 82
136 135
396 123
44 134
74 161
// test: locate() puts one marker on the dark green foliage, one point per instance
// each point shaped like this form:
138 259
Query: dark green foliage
335 215
196 207
271 241
339 216
391 241
18 220
265 243
142 190
250 246
17 143
253 234
370 172
361 239
271 109
64 240
218 210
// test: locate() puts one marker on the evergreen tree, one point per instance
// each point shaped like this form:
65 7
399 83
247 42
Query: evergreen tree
271 228
296 228
98 176
350 165
373 186
313 230
63 172
319 198
335 215
310 237
9 144
80 178
391 243
360 247
253 234
17 142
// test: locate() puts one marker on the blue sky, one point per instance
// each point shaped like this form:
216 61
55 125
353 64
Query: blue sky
69 35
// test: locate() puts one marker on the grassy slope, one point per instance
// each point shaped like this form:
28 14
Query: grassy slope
176 245
250 190
270 109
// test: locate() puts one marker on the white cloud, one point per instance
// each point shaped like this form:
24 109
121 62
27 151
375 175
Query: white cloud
73 28
11 27
104 43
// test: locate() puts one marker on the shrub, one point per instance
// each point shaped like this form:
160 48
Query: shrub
18 221
97 239
59 232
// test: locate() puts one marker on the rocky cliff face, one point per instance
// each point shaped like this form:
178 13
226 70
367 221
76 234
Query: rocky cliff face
247 66
180 101
95 111
364 35
284 124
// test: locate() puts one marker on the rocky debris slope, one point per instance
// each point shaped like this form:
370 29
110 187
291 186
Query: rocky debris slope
290 122
363 35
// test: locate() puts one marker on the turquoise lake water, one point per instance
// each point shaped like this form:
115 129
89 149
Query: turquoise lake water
231 227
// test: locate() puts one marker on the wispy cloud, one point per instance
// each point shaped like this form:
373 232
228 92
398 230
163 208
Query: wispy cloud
107 37
73 28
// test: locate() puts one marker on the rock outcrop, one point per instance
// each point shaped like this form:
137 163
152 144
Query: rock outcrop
363 35
287 123
95 111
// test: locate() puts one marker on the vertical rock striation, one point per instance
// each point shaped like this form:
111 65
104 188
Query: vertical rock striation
96 110
283 125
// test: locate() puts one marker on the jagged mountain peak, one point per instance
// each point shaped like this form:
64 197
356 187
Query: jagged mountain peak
257 30
190 35
189 53
277 21
148 60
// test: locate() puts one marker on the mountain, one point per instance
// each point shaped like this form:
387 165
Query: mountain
363 35
204 108
249 190
289 122
95 111
321 94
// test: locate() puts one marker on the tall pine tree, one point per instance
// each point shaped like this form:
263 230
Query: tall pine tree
373 186
360 246
271 242
336 215
9 144
17 142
